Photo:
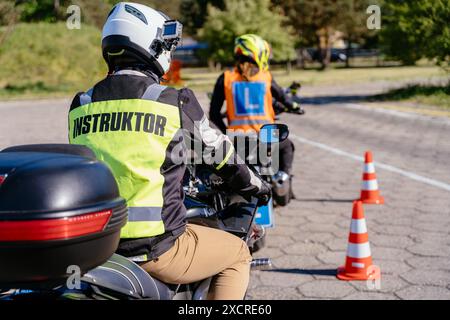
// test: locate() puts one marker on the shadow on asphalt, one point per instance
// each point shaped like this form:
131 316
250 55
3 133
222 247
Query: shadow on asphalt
324 200
321 100
405 92
316 272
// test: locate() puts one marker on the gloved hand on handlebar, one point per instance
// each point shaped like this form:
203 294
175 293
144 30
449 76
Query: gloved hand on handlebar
296 108
293 107
264 194
257 188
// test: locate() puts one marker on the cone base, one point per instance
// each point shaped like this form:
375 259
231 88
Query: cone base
379 200
342 275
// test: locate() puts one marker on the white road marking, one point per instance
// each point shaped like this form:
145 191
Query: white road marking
397 113
409 174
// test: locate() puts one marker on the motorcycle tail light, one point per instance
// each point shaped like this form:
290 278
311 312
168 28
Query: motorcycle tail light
54 229
2 178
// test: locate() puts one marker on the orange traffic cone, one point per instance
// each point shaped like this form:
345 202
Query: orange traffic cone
358 263
369 189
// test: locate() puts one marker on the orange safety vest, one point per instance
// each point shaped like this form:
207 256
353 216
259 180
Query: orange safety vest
249 103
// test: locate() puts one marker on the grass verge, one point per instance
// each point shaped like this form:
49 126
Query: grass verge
42 59
203 80
419 94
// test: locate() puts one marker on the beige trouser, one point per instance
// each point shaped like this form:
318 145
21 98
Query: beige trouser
202 252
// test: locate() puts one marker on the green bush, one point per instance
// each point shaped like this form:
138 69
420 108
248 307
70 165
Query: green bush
415 29
50 56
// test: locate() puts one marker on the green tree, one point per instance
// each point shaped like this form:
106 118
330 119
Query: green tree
195 13
8 13
93 12
42 10
354 23
241 17
412 30
316 22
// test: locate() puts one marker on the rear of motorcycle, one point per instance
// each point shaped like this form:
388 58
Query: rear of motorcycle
60 221
270 135
60 216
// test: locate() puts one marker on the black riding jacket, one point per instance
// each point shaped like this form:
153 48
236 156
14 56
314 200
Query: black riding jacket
131 84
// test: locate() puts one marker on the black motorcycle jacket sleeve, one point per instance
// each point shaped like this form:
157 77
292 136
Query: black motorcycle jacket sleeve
217 149
217 99
279 95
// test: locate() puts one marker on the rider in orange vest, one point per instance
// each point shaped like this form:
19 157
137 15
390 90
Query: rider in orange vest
249 91
248 98
247 88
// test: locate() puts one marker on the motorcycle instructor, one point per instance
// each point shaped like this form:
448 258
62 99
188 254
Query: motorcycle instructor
249 91
139 128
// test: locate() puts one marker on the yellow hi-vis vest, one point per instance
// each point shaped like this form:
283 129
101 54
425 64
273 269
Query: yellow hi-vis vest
131 136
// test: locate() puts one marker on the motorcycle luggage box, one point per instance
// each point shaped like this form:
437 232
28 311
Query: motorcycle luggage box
60 214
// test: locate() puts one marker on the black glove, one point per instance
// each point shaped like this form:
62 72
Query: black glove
296 108
278 107
263 193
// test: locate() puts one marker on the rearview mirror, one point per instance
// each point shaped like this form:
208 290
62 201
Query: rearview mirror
273 133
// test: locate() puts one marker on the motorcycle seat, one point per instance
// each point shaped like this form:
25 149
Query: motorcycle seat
121 275
204 212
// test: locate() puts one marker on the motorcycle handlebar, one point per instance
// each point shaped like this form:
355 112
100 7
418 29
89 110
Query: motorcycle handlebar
298 111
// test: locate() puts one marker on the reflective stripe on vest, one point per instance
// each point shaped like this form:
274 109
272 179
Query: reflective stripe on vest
249 103
86 97
144 213
131 136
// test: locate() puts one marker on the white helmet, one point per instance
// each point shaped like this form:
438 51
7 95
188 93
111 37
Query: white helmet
134 32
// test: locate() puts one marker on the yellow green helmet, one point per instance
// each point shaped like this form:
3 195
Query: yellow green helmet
267 55
252 46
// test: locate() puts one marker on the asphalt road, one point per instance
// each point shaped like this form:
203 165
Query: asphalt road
409 235
38 121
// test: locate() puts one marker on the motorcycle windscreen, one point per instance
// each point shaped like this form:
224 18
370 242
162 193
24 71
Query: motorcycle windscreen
264 215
